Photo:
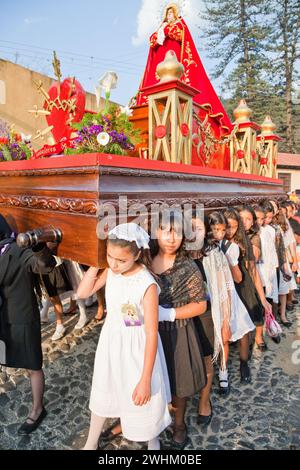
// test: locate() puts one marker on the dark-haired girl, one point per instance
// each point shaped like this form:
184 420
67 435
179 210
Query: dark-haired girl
182 288
287 281
239 253
252 229
130 377
230 317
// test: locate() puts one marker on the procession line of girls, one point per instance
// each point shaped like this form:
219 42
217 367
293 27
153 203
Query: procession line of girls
198 306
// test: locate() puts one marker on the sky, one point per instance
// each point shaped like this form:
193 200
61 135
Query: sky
90 37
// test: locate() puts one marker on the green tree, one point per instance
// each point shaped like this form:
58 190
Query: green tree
238 38
285 45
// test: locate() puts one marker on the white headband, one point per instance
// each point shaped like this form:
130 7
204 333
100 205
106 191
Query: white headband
132 233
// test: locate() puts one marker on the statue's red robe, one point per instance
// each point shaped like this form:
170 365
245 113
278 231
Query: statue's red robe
179 39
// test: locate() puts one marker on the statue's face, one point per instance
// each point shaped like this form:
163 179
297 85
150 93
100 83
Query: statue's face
170 15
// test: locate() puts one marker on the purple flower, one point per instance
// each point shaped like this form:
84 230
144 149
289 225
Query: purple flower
95 129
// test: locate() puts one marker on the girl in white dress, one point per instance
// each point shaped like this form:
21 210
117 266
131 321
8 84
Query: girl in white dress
130 377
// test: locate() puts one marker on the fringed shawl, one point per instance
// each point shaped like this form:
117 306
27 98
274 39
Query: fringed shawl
221 290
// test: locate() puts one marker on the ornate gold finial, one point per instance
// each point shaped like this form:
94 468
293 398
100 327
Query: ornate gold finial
170 69
242 113
56 68
268 127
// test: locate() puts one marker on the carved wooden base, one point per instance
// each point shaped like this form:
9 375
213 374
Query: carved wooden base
68 193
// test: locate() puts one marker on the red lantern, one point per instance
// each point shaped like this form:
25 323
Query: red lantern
263 161
240 154
160 132
185 130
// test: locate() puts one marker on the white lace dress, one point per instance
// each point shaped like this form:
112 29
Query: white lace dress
269 265
119 361
286 286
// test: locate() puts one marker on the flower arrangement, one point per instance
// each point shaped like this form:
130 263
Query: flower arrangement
12 146
111 132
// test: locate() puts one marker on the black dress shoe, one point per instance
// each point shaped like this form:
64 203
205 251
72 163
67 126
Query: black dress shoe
205 420
107 435
245 372
180 445
224 391
276 339
287 324
27 428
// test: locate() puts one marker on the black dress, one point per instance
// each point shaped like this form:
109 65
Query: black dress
204 323
57 282
181 285
247 290
19 314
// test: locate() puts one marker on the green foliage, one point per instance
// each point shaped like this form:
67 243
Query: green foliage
256 43
122 135
12 148
6 153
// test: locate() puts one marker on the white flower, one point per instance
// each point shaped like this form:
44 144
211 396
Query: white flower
98 95
25 138
126 110
108 81
103 138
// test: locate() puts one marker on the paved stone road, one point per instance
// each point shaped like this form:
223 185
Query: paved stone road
263 415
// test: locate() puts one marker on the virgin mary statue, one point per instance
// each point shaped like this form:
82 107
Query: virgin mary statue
173 34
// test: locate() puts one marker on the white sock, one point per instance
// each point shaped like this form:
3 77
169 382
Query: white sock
96 426
45 309
82 315
59 327
82 311
154 444
223 378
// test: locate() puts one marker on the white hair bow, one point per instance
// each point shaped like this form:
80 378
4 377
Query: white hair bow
132 233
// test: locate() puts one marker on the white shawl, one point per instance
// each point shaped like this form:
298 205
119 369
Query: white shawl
221 290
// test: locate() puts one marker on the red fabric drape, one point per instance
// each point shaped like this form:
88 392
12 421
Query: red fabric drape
179 39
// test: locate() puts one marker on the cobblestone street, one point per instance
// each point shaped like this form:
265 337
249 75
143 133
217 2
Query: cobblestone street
263 415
